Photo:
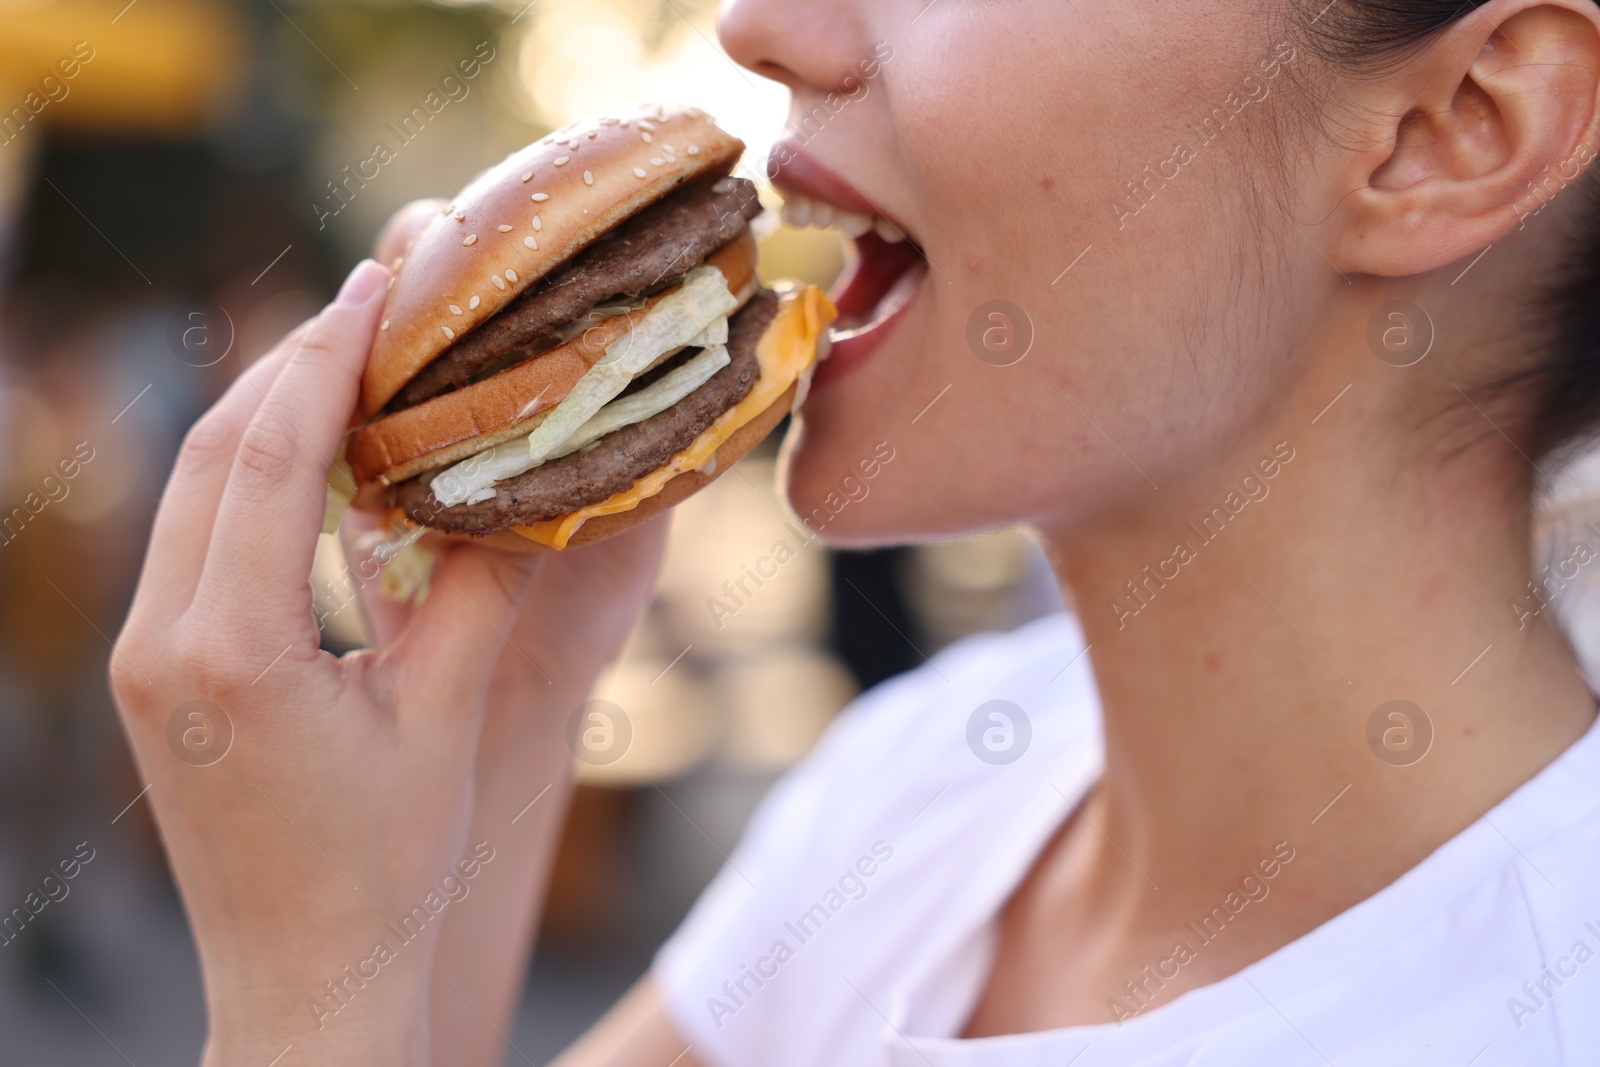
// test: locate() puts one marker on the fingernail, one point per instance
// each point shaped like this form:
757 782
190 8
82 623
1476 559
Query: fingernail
364 283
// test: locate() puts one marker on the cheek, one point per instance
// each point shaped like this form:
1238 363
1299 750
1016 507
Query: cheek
1017 170
1060 435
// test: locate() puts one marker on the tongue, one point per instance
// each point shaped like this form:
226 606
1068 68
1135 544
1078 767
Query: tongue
878 266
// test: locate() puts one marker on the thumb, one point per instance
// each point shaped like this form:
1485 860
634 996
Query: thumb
448 651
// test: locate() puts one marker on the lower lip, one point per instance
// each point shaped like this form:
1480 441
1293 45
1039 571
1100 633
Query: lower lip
852 351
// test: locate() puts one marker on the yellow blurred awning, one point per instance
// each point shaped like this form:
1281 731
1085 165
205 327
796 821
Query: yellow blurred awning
162 66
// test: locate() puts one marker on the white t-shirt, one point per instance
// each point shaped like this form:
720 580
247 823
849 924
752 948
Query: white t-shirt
855 923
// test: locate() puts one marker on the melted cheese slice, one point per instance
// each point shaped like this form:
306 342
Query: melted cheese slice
784 352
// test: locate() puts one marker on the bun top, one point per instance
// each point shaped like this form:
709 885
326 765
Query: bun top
523 218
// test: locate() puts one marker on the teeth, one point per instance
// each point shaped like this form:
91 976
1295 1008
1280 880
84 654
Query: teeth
852 224
802 211
797 212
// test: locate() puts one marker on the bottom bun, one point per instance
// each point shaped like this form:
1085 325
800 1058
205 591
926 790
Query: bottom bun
680 488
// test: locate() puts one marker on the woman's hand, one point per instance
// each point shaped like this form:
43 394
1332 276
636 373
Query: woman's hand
581 606
316 809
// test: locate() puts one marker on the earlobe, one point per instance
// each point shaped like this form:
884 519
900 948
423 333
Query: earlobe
1498 113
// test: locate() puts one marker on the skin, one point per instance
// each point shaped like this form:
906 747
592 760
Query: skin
1208 332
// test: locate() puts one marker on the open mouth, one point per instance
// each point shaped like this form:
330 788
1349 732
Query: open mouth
888 266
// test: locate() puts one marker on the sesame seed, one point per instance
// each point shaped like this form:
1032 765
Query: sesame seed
530 242
625 122
638 172
539 198
694 150
647 138
391 282
646 125
471 239
455 309
588 179
497 281
593 134
562 161
449 334
528 177
656 161
385 325
511 275
669 149
472 305
503 228
538 223
461 216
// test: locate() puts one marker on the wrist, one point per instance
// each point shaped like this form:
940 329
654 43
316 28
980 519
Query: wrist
398 1041
344 1022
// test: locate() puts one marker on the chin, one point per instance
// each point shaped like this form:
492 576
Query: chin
864 489
841 489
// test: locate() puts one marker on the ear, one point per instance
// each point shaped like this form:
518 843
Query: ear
1478 129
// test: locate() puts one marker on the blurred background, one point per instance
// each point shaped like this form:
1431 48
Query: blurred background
181 181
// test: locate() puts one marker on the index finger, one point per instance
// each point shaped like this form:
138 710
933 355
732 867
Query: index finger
272 508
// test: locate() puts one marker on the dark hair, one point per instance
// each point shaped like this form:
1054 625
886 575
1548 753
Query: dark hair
1560 388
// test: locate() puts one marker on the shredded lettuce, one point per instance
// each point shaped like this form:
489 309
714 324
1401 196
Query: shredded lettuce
696 314
467 479
678 319
341 490
653 399
472 480
715 334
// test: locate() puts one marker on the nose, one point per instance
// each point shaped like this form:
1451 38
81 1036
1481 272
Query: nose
808 45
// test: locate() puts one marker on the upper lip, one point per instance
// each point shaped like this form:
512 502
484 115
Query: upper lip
803 173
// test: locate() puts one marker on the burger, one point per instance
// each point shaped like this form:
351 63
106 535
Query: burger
579 340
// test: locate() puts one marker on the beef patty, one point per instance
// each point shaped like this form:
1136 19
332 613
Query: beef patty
659 245
611 464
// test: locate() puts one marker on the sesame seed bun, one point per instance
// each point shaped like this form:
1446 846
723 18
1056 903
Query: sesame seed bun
485 247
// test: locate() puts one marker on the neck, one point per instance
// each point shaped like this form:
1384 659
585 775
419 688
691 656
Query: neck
1244 631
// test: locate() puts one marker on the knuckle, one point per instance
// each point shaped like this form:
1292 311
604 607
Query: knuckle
128 687
201 669
330 350
315 346
210 440
335 348
223 644
209 659
269 450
